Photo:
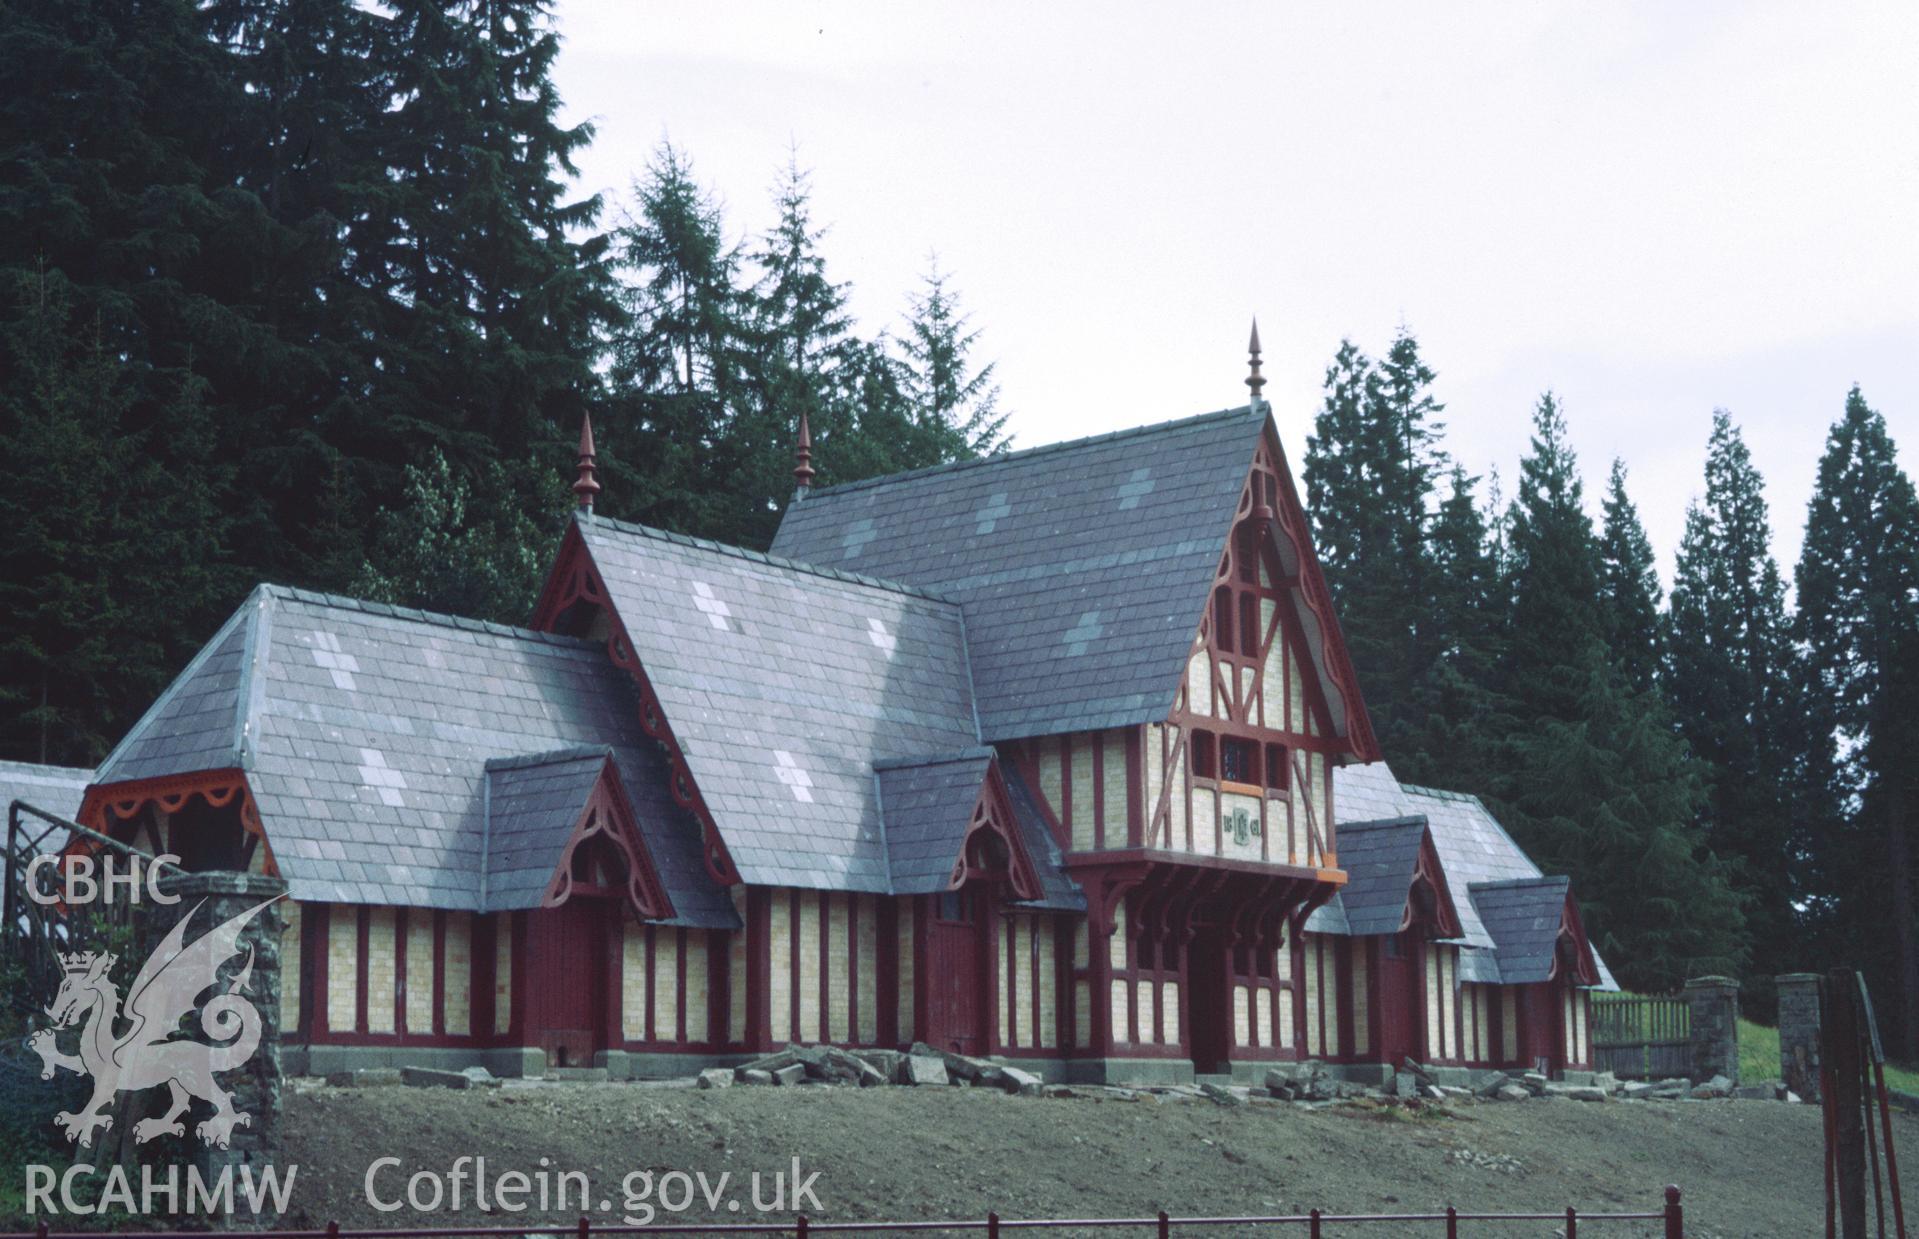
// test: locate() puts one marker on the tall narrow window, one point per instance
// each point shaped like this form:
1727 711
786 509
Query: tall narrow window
1238 761
1203 767
1223 618
1249 633
1276 763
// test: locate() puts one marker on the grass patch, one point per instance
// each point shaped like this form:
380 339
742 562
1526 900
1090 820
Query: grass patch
1759 1059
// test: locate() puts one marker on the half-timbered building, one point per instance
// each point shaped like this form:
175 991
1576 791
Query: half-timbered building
1056 755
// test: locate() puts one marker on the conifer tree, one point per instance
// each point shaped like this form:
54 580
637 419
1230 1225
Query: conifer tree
1858 593
955 407
1341 475
1629 585
1734 683
99 532
1598 784
681 366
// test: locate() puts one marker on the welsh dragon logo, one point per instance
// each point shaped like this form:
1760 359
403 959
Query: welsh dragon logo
146 1054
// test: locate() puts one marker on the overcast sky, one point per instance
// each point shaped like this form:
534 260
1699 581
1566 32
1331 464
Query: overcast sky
1651 209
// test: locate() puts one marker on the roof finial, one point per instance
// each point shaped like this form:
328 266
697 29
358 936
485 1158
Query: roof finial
1254 379
586 485
803 470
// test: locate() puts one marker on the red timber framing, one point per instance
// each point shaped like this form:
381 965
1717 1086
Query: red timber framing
606 832
457 1014
575 602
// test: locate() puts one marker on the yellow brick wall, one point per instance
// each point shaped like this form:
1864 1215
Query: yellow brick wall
419 970
666 985
1082 1013
382 968
1003 1003
1263 1016
1199 689
1205 819
457 1008
1016 983
290 969
780 964
1046 753
1148 1017
1118 1014
838 1024
1432 1001
869 986
808 939
1243 1015
1272 687
1045 937
698 984
1169 1012
1082 832
1508 1024
1113 789
502 973
633 960
1154 746
1176 775
1311 980
1449 1000
1283 969
343 968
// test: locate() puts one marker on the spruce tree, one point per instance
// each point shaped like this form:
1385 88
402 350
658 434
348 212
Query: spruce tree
682 364
1629 585
100 532
1597 783
1858 593
955 406
1734 683
1341 473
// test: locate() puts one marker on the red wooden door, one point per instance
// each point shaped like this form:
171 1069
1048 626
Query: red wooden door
1399 1002
1209 1003
957 950
567 957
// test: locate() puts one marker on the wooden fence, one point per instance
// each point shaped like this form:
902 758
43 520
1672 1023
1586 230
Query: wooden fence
1640 1038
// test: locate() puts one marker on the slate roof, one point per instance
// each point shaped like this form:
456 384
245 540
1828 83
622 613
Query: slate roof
1473 849
532 805
1084 567
56 789
928 806
1379 859
364 731
1523 916
785 684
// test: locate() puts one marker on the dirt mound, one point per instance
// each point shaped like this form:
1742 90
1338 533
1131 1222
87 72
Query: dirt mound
1748 1168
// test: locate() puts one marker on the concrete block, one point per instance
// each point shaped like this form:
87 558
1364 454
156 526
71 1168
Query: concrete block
753 1075
925 1069
792 1073
432 1077
364 1077
1513 1092
1025 1083
715 1077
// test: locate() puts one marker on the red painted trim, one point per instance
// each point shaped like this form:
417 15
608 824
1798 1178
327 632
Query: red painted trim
321 915
439 971
400 919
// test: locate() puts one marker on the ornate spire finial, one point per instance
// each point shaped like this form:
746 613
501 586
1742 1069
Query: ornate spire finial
803 470
586 485
1254 379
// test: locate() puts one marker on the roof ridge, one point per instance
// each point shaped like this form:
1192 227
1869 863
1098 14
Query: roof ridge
1024 453
552 757
1440 793
1380 823
772 561
438 619
935 759
1544 879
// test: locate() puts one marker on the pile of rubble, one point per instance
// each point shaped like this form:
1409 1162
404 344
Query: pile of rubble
920 1065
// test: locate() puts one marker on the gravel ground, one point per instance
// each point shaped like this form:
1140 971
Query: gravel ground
1748 1168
